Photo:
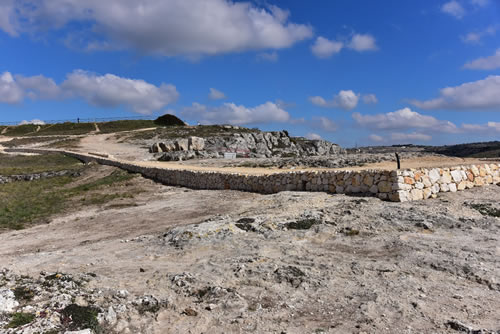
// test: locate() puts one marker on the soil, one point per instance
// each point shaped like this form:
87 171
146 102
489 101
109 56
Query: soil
205 261
234 262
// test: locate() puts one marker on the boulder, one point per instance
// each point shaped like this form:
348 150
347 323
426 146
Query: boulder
196 143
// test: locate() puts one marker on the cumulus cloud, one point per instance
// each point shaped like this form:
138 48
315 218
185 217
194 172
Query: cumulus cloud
105 91
33 121
362 42
453 8
485 63
313 136
403 119
370 99
481 94
112 91
345 99
325 48
271 57
10 91
39 87
216 94
230 113
165 27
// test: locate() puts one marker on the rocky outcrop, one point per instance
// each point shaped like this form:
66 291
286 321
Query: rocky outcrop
248 144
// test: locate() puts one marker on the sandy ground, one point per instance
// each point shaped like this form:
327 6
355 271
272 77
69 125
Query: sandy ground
409 268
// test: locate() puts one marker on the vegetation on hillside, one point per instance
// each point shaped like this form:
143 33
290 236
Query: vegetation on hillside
31 202
169 120
18 164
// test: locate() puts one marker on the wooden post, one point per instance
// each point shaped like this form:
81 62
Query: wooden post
397 159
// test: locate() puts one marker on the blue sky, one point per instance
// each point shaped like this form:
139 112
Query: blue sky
354 72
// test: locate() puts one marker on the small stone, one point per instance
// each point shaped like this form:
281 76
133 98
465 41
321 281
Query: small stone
190 312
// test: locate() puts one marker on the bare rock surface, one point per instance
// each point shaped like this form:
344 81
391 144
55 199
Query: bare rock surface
234 262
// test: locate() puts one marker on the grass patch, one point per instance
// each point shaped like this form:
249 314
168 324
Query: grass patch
21 164
66 128
30 202
20 319
22 130
127 125
25 202
81 317
23 293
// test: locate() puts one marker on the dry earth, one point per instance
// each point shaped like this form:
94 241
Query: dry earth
299 263
187 261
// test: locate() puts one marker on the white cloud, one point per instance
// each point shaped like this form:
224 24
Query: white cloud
10 92
325 48
230 113
271 57
481 94
103 91
414 136
376 138
345 99
475 37
216 94
112 91
360 42
453 8
33 121
403 119
370 99
39 87
313 136
484 129
165 27
485 63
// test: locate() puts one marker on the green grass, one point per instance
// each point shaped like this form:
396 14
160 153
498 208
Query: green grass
20 319
32 202
127 125
22 130
81 317
486 209
19 164
66 128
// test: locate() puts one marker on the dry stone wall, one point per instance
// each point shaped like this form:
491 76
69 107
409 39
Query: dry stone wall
397 186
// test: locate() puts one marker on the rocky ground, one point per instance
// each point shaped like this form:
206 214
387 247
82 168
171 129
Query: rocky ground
185 261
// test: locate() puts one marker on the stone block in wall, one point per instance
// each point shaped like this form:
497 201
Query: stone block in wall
426 192
445 178
456 176
434 175
384 187
416 194
462 185
452 187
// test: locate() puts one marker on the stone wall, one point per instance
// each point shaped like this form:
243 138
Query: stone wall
398 186
417 184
